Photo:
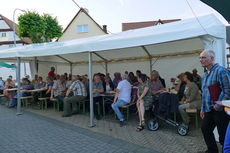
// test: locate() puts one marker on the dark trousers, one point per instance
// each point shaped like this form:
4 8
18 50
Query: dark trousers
210 121
95 107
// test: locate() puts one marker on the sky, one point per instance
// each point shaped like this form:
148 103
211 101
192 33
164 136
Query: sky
109 12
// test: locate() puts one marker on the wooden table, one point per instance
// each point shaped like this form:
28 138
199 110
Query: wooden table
107 97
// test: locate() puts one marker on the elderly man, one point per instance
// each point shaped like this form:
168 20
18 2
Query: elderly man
215 78
122 97
79 94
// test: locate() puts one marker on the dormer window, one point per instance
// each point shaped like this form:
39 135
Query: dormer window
82 28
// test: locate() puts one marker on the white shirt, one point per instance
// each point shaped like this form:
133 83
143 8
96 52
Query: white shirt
125 91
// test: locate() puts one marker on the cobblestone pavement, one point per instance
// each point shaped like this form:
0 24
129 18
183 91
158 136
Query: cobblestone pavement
33 133
165 140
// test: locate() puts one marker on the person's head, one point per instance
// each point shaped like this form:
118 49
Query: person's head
188 77
10 77
96 78
119 76
107 79
141 78
126 72
62 78
70 76
52 69
36 77
58 77
181 77
194 71
40 79
138 72
8 80
107 74
84 78
27 76
207 58
154 75
125 77
25 81
131 74
0 78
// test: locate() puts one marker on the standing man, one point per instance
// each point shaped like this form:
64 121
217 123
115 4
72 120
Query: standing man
122 97
51 73
213 114
196 78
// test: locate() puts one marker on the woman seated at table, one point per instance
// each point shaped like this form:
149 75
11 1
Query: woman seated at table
155 84
49 86
132 78
58 90
108 85
192 97
144 101
26 85
9 85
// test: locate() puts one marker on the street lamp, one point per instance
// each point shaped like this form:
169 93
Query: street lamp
18 68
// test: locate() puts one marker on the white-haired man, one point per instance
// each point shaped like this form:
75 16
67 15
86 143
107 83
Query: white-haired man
215 78
122 97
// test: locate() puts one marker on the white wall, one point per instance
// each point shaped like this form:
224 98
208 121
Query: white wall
167 67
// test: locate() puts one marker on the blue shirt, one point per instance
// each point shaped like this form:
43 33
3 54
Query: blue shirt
227 140
97 86
218 74
2 85
27 87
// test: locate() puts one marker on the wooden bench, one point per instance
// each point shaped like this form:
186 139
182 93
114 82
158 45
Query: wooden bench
195 112
55 101
43 101
25 100
83 105
126 107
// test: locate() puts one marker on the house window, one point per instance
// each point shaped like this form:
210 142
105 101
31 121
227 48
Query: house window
4 34
82 28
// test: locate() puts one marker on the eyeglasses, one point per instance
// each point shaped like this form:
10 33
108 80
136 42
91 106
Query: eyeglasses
203 57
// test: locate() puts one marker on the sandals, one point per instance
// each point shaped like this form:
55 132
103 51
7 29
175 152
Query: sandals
141 127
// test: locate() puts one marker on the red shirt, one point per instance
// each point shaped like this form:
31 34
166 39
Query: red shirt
51 73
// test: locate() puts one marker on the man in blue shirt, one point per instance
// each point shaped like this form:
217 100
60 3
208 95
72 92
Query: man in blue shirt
213 114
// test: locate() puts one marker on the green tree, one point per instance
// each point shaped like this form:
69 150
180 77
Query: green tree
38 28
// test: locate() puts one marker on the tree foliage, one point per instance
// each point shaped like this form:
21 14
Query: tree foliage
39 28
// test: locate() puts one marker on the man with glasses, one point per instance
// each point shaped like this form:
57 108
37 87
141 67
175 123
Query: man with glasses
217 78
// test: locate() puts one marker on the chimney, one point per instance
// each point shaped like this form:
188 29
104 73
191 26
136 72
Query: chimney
105 28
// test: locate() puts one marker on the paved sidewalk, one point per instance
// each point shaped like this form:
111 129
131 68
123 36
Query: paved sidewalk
32 133
164 140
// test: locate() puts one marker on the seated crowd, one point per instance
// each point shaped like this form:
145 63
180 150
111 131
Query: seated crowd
72 89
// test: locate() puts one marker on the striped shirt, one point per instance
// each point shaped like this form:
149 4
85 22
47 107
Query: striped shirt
218 74
79 88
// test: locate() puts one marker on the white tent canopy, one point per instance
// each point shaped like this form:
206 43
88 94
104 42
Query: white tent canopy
173 39
127 44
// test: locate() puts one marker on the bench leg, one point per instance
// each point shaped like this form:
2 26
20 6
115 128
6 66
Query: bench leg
127 113
45 104
54 105
83 107
196 118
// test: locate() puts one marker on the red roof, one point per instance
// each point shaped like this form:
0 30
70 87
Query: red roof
11 25
136 25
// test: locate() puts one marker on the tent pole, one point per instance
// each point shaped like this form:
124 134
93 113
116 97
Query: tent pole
106 67
91 90
19 86
151 66
71 68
